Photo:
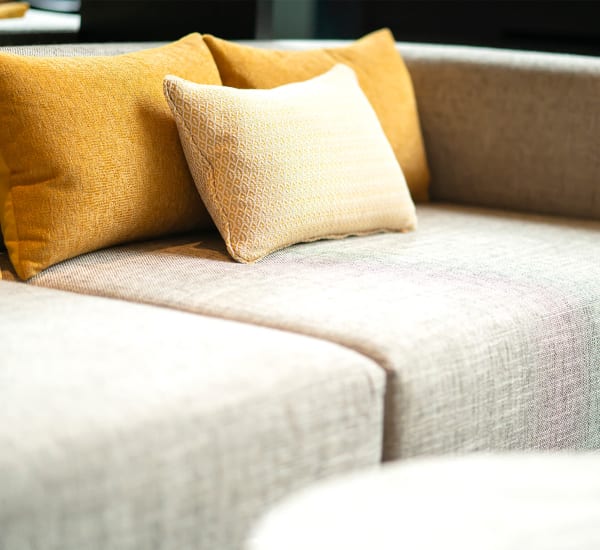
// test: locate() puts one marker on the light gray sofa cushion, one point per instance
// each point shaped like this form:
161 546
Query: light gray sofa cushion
487 323
126 426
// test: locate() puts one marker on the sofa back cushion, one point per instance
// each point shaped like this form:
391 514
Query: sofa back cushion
381 73
89 152
509 129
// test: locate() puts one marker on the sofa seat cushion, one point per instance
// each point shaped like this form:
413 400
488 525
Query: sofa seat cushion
487 323
133 427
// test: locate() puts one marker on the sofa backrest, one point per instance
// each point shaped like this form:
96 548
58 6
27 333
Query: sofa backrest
510 129
504 129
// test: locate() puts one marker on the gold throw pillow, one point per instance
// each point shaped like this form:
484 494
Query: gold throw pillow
11 10
297 163
381 72
89 152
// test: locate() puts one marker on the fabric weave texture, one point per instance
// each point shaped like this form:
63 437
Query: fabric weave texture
89 152
510 129
297 163
382 75
486 322
128 427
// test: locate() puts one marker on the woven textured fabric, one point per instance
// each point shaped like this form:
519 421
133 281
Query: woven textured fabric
288 165
487 323
494 121
516 130
89 152
381 73
80 50
540 501
129 427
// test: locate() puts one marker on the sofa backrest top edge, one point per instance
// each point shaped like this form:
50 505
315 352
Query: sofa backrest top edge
410 50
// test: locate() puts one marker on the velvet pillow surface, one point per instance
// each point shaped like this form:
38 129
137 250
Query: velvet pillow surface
296 163
89 152
382 75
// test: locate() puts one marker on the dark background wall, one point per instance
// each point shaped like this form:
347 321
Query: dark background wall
130 20
559 25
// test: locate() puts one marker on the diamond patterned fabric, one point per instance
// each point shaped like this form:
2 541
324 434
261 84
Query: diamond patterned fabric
287 165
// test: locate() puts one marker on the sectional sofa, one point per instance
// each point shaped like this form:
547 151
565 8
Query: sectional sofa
157 394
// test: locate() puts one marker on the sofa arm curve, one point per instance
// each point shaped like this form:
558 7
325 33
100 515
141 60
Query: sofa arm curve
510 129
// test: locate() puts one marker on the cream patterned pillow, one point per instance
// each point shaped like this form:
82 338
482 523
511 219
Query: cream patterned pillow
297 163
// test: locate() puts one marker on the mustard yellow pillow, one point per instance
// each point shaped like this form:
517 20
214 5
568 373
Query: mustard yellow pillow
89 152
9 10
382 75
297 163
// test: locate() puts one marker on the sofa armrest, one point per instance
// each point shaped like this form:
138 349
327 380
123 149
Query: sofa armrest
508 129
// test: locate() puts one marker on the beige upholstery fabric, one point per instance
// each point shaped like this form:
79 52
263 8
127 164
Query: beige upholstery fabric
517 130
287 165
488 323
131 427
71 50
501 502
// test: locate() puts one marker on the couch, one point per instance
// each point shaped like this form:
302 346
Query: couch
158 395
